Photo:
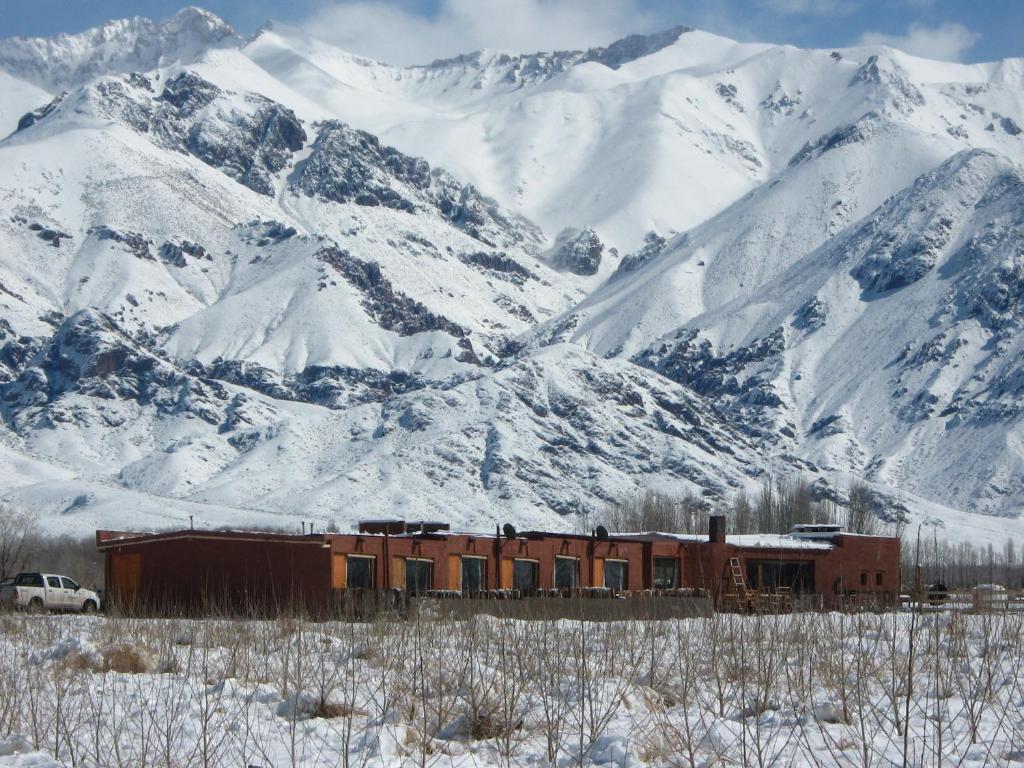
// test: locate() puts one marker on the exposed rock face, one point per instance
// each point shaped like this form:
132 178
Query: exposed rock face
134 243
250 147
90 355
349 165
250 139
532 68
812 315
502 266
654 246
392 310
332 387
175 255
31 118
635 47
578 251
863 129
891 79
922 225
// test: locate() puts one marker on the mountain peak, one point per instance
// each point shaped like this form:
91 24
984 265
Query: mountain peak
64 61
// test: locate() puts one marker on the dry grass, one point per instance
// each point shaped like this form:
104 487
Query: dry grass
726 690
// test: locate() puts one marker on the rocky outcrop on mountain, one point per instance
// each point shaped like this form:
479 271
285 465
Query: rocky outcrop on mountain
867 126
349 165
249 138
578 251
635 47
566 432
134 243
176 254
392 310
92 357
811 315
921 223
15 351
333 387
739 382
500 265
654 246
250 145
532 68
885 76
31 118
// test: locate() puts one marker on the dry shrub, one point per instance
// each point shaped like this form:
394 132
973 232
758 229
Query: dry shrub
330 710
128 658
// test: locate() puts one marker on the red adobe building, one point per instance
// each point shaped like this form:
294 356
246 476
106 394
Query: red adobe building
264 572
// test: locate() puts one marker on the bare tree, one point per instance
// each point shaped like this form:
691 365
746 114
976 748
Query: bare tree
860 513
16 539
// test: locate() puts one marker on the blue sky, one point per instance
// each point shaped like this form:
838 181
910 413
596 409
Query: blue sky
407 31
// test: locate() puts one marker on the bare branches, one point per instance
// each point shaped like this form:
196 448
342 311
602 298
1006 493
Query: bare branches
860 689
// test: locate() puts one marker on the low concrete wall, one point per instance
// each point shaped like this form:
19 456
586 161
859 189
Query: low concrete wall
580 608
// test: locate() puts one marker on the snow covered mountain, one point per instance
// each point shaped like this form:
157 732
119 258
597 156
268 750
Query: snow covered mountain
266 279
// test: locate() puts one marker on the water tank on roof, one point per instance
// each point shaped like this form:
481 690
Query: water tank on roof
816 531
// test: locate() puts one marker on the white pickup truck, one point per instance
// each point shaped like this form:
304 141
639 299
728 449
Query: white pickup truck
49 592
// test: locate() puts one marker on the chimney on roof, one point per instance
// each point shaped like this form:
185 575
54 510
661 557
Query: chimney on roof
716 529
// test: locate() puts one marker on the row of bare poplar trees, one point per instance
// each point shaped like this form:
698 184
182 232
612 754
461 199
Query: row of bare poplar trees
782 503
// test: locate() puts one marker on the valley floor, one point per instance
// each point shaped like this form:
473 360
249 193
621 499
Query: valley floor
805 689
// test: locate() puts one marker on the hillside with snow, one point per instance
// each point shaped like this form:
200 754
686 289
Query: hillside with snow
264 280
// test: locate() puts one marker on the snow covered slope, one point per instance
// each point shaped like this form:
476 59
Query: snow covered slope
242 279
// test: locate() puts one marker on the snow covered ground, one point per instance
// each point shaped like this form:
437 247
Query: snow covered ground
794 690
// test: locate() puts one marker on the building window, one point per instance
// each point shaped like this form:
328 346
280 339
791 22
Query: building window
525 575
418 575
879 578
358 572
666 573
616 573
863 578
473 574
567 573
773 575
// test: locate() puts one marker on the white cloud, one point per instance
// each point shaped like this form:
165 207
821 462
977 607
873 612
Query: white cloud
810 7
395 33
946 42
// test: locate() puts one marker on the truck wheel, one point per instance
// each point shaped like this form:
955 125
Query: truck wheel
88 607
36 605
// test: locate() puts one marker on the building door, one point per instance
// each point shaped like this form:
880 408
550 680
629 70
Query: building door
125 577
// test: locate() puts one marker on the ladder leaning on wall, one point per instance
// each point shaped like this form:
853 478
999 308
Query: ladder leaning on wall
739 584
